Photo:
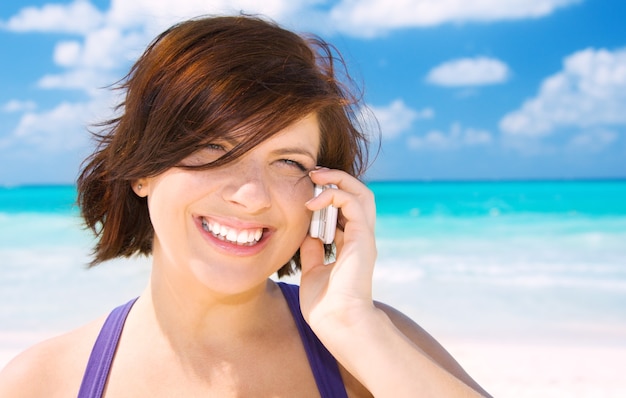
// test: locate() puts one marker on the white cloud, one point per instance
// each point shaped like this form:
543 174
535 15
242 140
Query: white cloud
89 81
77 17
397 118
373 17
590 91
99 60
107 48
66 53
594 140
156 15
457 137
15 106
60 129
476 71
55 129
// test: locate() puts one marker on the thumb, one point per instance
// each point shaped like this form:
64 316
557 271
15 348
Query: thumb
311 254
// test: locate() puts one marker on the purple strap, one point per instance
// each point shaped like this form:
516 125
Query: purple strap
323 364
103 351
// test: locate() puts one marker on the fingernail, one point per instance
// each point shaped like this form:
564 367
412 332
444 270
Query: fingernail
310 200
318 168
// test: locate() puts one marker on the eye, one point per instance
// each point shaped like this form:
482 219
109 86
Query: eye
293 163
206 154
215 147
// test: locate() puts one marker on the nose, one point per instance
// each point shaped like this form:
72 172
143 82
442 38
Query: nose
247 188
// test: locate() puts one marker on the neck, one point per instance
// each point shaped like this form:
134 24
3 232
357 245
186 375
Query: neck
193 313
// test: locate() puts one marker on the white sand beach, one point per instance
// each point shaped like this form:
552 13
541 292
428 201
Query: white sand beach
541 371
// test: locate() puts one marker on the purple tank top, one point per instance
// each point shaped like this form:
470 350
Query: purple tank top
323 364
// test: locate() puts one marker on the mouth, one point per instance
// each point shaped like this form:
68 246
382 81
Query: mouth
240 237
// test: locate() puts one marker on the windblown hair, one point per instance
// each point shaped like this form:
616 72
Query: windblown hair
197 81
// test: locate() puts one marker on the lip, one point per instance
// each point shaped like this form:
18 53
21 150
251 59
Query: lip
228 247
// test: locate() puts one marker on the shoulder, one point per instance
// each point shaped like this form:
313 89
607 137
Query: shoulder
409 327
51 368
419 336
428 344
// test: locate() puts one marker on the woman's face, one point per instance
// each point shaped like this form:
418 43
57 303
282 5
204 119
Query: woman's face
233 226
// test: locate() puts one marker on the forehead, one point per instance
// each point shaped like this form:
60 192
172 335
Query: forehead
306 128
304 133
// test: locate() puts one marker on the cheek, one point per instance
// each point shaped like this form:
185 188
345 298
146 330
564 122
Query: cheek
165 202
162 215
298 187
294 197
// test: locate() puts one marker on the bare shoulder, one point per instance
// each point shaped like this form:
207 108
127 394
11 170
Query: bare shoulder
51 368
429 345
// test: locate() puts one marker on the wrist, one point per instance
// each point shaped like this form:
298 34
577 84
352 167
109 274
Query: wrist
341 329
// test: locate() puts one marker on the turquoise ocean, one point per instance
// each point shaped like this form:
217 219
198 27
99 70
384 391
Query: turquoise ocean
512 260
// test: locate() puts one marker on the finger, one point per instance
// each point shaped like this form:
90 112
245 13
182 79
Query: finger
311 254
343 180
338 240
354 208
346 183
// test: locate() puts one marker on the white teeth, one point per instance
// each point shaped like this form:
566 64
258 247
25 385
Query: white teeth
232 235
243 237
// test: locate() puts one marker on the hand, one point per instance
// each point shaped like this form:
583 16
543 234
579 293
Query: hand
340 291
336 301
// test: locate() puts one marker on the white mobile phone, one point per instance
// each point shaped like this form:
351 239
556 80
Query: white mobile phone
324 221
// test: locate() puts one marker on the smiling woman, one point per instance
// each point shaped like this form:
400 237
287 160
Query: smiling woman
227 125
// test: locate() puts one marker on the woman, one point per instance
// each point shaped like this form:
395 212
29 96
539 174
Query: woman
226 126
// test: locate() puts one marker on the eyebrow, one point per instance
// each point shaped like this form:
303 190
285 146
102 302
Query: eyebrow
291 150
294 150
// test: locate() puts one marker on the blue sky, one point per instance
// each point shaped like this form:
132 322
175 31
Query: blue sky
473 89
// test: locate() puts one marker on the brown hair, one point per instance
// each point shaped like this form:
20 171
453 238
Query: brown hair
199 80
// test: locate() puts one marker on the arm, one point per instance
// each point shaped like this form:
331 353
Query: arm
52 368
429 346
29 374
389 354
